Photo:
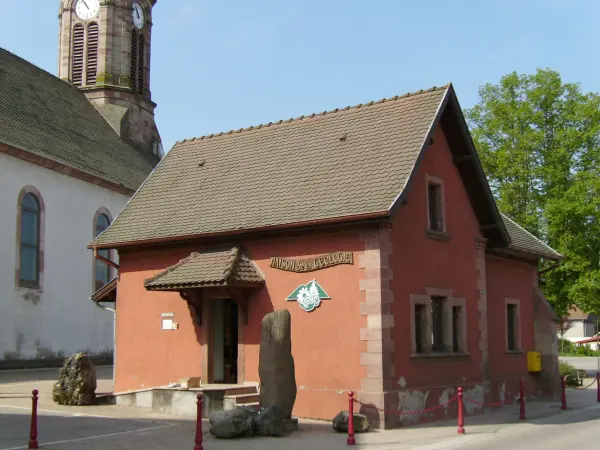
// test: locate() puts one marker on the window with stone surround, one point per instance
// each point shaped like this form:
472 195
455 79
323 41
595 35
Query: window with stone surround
435 205
438 324
513 332
30 238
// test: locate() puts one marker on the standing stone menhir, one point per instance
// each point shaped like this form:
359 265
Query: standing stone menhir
76 384
276 363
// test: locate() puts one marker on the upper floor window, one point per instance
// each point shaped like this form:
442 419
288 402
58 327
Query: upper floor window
85 54
101 269
29 241
435 206
78 54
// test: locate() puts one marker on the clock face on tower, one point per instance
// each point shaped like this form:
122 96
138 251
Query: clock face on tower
138 16
87 9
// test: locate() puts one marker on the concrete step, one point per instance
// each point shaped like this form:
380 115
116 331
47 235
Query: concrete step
232 401
241 390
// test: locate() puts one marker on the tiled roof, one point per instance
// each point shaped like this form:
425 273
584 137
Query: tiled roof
577 314
43 115
343 163
228 267
523 240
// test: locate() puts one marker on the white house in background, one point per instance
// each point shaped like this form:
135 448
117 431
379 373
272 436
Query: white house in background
581 327
72 153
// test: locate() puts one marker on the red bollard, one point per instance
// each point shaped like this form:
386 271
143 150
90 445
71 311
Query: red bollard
563 385
198 440
522 395
351 440
598 386
33 433
461 419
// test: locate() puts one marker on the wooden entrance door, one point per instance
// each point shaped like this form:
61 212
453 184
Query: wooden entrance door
225 342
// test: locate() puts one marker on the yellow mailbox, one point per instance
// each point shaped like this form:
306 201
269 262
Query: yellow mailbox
534 362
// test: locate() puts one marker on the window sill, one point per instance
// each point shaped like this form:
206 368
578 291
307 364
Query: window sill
438 235
440 356
30 286
515 352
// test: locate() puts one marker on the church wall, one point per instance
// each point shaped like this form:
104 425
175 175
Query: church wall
58 319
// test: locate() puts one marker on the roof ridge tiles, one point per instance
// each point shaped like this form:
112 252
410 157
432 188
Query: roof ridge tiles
310 116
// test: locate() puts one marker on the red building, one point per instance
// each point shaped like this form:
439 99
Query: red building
373 225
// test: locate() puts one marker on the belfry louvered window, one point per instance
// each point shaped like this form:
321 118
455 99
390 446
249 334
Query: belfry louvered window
134 55
92 54
140 65
138 56
78 52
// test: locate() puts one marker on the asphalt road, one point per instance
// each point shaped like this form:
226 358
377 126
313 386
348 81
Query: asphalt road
590 364
578 430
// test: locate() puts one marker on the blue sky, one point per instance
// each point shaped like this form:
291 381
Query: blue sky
218 65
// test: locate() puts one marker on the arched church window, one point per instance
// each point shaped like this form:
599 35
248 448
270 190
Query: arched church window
92 54
29 240
78 52
101 269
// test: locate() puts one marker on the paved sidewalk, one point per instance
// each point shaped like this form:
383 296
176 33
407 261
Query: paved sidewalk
125 428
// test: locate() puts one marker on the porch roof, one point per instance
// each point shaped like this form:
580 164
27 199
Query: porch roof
107 293
222 267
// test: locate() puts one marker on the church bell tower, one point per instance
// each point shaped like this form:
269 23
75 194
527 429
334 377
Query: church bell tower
105 52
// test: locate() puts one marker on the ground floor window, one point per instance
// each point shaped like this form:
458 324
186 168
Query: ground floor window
512 326
438 324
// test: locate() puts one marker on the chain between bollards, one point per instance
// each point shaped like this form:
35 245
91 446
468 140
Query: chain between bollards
33 433
198 440
351 440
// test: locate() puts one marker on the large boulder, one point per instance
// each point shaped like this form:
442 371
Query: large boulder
270 421
76 384
232 423
276 364
340 422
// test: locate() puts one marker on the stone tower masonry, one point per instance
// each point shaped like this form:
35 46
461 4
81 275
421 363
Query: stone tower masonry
104 50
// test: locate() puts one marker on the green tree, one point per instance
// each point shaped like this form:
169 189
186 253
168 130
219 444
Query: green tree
539 142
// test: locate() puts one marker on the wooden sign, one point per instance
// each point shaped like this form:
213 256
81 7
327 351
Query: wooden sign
309 265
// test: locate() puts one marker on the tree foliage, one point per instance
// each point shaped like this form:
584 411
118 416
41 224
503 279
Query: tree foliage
539 142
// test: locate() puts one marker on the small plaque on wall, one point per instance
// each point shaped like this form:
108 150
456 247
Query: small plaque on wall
309 265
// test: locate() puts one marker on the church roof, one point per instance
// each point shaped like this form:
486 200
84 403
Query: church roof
42 115
342 165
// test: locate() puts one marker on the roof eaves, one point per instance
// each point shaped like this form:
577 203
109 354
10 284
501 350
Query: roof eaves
305 224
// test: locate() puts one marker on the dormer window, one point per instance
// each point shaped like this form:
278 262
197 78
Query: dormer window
435 205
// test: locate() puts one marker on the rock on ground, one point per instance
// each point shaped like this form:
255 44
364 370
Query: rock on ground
76 384
270 421
276 363
340 422
232 423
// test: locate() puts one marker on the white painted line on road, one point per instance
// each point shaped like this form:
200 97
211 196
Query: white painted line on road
58 411
67 414
100 436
